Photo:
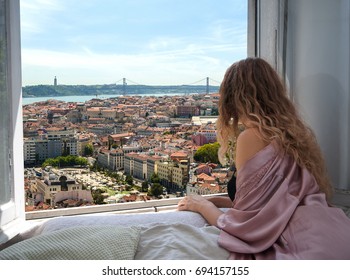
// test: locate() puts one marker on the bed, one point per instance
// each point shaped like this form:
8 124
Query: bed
168 235
147 236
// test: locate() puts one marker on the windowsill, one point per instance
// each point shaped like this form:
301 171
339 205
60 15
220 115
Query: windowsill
341 200
169 204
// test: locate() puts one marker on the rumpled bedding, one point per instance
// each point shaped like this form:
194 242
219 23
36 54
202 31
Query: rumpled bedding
180 242
155 236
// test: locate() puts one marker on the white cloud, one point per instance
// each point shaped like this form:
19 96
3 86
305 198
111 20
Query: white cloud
88 59
178 67
36 14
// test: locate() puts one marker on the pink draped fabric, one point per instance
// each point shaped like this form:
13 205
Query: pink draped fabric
279 213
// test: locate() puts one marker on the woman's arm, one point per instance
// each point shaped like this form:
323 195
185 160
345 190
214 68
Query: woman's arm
221 201
199 204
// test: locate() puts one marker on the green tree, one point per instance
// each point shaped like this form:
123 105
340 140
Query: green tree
207 153
129 180
156 190
63 161
114 146
155 178
81 161
97 196
128 188
144 186
215 112
114 175
88 150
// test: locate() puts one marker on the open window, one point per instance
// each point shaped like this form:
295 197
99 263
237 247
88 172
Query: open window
11 151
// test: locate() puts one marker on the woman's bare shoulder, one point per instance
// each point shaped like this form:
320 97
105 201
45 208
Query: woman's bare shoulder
249 142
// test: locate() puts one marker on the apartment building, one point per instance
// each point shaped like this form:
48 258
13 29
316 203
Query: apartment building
100 129
119 139
174 175
180 176
116 159
187 111
74 116
98 112
29 151
112 159
152 165
204 120
140 166
66 138
209 134
82 141
129 163
164 169
203 168
51 148
50 145
199 139
42 150
132 149
103 158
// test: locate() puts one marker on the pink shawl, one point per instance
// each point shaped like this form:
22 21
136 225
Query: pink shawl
279 213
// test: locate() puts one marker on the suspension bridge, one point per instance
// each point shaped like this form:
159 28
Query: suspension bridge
207 82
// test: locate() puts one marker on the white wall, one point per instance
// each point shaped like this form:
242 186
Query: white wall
318 68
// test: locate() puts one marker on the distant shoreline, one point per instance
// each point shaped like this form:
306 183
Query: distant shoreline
116 94
48 91
84 98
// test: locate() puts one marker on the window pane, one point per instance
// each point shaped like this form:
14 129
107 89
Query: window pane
5 188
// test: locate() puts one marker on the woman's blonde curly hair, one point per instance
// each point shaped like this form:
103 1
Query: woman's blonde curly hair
253 91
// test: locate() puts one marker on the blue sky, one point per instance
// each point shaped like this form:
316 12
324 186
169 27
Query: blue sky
151 42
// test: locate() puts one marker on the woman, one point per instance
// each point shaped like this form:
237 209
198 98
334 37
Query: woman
280 210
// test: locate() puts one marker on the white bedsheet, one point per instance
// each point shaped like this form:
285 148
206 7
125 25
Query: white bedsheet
180 242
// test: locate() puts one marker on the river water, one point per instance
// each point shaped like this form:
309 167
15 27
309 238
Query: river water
83 98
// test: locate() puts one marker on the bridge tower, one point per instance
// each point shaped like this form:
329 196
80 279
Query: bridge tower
207 85
124 86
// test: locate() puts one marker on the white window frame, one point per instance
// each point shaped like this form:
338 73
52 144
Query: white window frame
12 213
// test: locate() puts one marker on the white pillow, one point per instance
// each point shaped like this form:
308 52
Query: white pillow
78 243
